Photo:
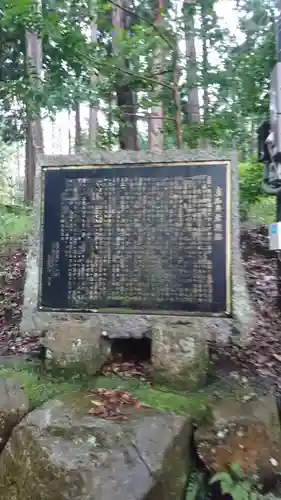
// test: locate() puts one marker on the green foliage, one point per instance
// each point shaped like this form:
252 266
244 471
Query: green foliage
196 488
236 88
255 206
235 484
70 58
15 223
263 211
250 177
232 483
239 487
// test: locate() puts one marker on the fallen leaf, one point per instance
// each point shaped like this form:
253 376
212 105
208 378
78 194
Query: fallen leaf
111 403
97 411
96 403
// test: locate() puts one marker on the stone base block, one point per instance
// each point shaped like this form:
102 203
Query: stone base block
74 342
180 355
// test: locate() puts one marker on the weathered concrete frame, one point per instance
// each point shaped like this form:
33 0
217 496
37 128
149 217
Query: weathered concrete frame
221 328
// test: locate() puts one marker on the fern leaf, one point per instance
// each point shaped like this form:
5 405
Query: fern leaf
221 476
227 488
235 469
194 485
255 496
239 493
192 492
247 485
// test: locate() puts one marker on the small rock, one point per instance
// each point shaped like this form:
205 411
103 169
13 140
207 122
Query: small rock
49 354
248 397
240 433
92 441
222 434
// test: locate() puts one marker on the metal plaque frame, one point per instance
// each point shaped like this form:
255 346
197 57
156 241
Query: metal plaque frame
117 310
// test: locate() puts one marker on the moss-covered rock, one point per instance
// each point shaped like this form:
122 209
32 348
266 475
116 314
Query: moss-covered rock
59 451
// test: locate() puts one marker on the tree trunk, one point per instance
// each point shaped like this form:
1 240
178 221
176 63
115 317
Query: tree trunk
192 107
69 133
156 129
205 75
34 132
111 102
205 68
93 115
176 95
126 100
78 138
128 136
30 165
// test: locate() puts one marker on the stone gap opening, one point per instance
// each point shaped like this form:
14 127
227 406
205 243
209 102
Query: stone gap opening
130 349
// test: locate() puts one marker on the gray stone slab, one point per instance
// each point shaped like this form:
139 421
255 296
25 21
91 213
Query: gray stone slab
126 325
61 452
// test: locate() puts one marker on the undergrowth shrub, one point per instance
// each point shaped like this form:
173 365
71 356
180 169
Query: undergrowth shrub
15 222
263 211
250 177
255 205
232 483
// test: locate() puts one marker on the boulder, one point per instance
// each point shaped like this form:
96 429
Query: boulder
246 431
14 406
61 451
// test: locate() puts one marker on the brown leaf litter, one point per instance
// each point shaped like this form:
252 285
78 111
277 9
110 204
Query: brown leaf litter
110 404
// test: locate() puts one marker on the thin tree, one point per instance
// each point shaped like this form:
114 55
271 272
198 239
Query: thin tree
156 126
126 99
93 114
34 131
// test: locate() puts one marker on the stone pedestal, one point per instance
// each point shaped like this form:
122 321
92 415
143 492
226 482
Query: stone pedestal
180 356
178 342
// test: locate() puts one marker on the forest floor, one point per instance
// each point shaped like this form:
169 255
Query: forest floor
259 361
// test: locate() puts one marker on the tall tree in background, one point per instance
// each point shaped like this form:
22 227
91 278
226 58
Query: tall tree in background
204 11
93 115
191 105
34 132
156 128
129 66
245 81
78 131
122 23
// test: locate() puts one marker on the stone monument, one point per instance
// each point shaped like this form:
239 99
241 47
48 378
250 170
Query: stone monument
137 244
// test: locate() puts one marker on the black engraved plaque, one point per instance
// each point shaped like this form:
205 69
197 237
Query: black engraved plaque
152 238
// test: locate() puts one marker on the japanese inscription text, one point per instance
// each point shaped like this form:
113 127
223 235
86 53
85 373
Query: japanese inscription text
137 238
